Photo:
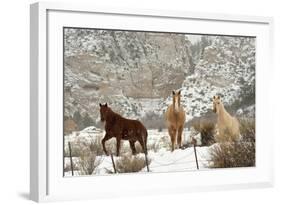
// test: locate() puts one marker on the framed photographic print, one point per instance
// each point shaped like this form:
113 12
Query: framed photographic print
154 101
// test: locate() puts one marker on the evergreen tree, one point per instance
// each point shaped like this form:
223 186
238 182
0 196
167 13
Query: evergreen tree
204 43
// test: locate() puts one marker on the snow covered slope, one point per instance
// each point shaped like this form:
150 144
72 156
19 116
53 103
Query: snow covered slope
135 72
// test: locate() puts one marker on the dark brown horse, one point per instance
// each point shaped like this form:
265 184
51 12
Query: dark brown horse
122 129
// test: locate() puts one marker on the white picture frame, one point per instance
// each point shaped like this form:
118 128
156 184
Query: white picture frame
46 180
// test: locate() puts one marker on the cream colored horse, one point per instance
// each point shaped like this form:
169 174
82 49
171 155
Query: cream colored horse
227 126
175 119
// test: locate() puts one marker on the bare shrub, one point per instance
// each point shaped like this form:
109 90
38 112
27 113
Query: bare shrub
67 167
235 154
87 149
248 129
163 142
152 120
88 163
79 145
205 125
96 146
125 147
111 147
88 160
240 153
130 163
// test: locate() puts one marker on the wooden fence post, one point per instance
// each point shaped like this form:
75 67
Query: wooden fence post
195 153
70 156
113 163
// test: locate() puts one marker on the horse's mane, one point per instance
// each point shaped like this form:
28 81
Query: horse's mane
223 111
113 115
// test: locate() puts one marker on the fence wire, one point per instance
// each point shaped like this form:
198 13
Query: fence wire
181 161
201 159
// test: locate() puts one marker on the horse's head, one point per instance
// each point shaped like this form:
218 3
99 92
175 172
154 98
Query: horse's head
176 99
103 111
216 103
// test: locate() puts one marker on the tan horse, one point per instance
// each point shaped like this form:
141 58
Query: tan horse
228 126
175 119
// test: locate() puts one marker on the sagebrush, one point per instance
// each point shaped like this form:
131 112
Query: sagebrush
79 145
240 153
88 160
130 163
206 126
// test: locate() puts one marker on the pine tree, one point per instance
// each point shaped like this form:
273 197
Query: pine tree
204 43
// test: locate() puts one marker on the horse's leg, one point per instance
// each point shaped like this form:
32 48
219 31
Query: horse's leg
133 148
106 137
179 138
118 140
172 133
144 134
142 138
142 144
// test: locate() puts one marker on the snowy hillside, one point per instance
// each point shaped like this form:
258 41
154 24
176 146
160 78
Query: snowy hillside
227 68
135 72
118 67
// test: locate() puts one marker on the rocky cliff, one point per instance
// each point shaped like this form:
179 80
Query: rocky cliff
115 66
135 72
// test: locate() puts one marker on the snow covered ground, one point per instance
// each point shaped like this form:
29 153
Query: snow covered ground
162 159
